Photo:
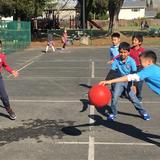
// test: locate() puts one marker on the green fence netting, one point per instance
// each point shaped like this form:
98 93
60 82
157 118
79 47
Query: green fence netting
15 35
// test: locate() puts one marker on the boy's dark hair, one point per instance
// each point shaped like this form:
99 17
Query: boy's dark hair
125 46
149 54
116 34
139 37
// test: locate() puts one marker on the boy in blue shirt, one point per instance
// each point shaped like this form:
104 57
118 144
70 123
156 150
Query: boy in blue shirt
125 65
113 51
150 73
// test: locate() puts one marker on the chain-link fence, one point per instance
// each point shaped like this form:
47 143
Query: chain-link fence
15 35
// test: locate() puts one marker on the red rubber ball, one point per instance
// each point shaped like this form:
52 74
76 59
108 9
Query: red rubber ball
99 95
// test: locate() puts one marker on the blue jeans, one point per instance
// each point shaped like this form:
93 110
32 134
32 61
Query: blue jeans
3 93
139 86
119 88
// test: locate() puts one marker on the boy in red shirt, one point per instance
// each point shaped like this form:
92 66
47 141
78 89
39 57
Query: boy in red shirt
3 93
135 53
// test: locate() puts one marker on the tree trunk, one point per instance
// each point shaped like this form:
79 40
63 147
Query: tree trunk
88 7
114 7
111 8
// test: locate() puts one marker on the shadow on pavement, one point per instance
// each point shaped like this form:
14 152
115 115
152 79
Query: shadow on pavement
126 129
101 110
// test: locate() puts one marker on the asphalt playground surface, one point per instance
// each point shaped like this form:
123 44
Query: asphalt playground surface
54 119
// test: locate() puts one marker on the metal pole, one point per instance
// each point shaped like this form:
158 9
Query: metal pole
84 15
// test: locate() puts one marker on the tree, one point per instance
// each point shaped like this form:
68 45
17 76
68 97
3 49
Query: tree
114 7
6 7
147 3
158 15
100 8
151 3
94 6
22 8
88 7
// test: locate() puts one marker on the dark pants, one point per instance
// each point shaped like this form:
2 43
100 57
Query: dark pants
119 87
112 74
139 86
3 93
64 45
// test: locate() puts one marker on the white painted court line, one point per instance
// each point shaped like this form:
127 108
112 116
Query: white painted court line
71 60
29 62
107 143
91 149
93 70
46 77
68 101
59 67
25 66
35 57
45 101
146 102
84 143
91 112
123 144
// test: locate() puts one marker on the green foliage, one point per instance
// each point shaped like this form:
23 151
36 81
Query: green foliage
50 4
133 23
22 8
158 15
95 9
114 7
99 7
103 16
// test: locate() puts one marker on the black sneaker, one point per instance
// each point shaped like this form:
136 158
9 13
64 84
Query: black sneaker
12 115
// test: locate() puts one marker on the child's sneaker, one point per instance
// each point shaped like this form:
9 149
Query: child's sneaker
111 117
12 115
146 117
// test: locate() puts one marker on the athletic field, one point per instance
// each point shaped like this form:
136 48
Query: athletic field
54 119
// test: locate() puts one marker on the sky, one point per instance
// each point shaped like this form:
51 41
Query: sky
69 1
74 2
156 2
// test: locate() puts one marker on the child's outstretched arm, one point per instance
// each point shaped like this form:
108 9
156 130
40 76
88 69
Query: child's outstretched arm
113 59
130 77
8 68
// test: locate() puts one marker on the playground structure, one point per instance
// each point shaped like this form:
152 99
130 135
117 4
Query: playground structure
91 22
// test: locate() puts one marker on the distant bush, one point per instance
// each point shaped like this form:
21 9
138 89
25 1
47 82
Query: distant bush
101 16
158 15
133 23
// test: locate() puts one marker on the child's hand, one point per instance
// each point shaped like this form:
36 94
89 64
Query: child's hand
104 83
110 62
15 73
